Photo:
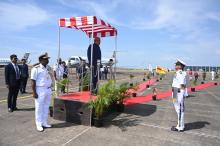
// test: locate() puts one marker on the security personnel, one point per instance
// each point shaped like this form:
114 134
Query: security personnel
41 85
178 88
97 55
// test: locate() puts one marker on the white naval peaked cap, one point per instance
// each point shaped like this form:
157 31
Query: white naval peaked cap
181 62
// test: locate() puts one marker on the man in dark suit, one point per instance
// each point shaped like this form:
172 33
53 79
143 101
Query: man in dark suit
24 76
12 80
97 55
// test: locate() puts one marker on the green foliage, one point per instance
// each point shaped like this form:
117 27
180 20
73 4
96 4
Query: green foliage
86 81
108 94
104 98
63 82
123 92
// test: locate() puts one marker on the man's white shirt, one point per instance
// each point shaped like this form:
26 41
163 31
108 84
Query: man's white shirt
59 69
179 79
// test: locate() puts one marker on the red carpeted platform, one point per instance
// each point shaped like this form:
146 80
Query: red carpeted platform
83 96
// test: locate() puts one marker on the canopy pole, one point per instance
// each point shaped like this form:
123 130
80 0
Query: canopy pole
58 43
115 57
91 60
56 84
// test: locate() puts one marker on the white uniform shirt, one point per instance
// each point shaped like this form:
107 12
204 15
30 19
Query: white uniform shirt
179 79
59 69
41 75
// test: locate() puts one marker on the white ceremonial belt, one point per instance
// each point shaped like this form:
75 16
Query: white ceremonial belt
43 87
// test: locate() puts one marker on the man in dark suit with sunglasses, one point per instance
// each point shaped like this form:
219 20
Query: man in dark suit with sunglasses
12 80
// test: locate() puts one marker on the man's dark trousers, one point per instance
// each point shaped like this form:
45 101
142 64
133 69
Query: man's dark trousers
23 84
12 95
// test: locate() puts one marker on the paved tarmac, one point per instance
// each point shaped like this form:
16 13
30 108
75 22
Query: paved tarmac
140 125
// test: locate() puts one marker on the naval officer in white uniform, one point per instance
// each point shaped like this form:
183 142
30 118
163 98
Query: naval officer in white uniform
178 88
41 85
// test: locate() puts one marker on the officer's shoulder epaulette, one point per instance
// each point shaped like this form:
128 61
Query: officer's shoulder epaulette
36 65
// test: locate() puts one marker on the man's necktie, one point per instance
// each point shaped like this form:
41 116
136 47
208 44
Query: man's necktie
17 72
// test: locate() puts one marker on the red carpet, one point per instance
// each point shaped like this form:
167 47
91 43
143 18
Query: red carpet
161 95
142 86
85 96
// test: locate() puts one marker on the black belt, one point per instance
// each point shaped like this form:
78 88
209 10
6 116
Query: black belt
178 89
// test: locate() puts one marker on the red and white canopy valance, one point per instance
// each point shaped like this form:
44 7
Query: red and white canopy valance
87 23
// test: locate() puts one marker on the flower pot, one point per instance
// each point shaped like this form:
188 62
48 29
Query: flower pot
193 89
51 111
202 82
134 94
98 122
131 84
147 86
120 107
144 79
215 84
154 97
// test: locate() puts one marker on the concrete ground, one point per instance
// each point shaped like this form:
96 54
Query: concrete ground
140 125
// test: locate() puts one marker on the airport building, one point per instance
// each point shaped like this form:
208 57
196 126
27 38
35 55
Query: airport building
206 68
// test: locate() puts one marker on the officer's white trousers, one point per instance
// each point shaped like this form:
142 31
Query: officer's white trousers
213 77
186 93
179 107
42 104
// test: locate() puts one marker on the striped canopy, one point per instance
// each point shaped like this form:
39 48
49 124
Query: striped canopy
85 23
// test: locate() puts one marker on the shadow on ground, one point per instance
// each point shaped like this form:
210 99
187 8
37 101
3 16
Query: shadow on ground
26 109
131 116
196 125
63 125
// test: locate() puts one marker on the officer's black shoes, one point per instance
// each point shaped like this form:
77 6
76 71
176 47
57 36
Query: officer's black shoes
173 128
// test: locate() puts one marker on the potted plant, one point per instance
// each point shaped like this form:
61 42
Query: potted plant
131 79
85 82
154 95
193 83
148 75
102 102
144 79
122 93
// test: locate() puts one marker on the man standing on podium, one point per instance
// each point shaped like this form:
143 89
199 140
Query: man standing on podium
97 55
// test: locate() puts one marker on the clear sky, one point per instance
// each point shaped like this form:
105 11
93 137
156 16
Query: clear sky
149 31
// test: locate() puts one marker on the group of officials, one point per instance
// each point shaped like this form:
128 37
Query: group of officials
42 81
